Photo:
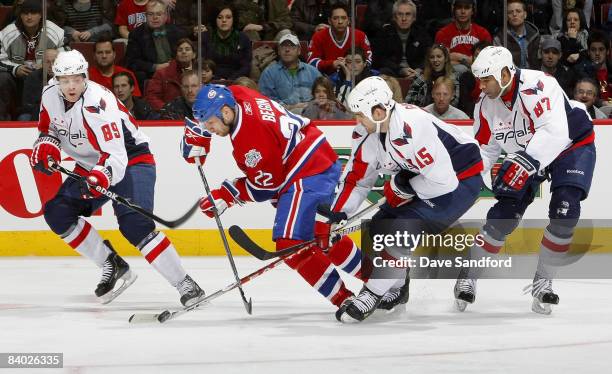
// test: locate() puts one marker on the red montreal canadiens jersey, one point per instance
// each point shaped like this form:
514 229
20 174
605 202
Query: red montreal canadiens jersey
323 49
273 146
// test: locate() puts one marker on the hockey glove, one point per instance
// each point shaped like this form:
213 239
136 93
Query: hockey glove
195 142
515 173
46 150
398 191
98 176
325 222
225 197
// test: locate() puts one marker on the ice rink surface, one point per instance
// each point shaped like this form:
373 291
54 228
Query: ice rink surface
47 305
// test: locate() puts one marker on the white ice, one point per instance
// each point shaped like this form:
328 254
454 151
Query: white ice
47 305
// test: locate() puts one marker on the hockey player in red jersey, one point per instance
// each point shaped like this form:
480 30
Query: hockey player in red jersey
286 161
87 121
435 178
328 47
526 114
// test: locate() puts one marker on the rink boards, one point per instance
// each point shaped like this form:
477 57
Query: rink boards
24 232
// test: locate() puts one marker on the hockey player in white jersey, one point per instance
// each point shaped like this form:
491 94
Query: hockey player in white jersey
526 114
87 121
435 169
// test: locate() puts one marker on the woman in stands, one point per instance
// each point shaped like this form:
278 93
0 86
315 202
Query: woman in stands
437 64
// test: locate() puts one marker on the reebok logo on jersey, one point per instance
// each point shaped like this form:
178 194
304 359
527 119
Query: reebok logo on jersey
574 171
247 108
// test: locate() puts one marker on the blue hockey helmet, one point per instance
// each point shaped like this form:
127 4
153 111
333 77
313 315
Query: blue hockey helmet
210 100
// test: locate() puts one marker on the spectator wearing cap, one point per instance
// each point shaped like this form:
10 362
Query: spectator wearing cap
442 93
21 50
460 35
587 91
400 49
551 64
151 46
523 37
289 81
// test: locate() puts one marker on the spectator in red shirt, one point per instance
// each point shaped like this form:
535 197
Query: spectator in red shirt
165 85
103 68
130 14
329 46
460 35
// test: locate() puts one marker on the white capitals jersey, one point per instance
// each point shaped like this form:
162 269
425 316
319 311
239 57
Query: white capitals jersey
96 130
441 154
535 116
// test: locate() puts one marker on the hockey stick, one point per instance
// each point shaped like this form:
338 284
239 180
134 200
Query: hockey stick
167 314
122 200
243 240
248 305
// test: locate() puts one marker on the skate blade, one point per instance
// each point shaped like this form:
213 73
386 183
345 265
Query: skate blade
541 308
460 305
346 318
194 301
128 278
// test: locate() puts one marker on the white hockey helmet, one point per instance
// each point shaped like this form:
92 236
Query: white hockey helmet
370 92
491 61
70 63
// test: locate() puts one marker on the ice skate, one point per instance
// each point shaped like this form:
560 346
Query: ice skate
113 270
358 308
190 291
465 293
543 295
396 296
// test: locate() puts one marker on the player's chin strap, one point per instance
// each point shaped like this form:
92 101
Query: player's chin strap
387 115
503 89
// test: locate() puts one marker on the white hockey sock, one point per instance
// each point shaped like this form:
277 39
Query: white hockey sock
86 240
380 286
552 249
160 253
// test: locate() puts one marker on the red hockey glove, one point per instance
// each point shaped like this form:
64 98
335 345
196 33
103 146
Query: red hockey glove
46 149
398 194
98 176
515 172
225 197
325 222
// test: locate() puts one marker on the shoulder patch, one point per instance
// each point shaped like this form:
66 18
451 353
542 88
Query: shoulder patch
252 158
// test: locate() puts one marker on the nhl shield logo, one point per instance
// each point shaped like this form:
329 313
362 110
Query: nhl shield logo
252 158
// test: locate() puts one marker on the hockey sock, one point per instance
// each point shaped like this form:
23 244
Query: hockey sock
552 248
491 246
86 240
347 256
159 252
317 269
385 278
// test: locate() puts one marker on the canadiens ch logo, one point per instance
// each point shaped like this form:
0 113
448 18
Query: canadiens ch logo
252 158
212 94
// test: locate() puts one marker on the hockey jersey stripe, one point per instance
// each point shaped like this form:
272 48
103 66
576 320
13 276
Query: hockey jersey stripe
295 207
483 134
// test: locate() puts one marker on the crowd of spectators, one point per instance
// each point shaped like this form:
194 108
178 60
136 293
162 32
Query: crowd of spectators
298 52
